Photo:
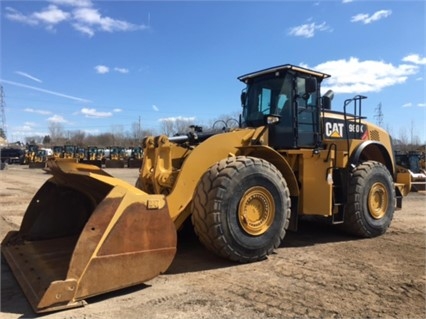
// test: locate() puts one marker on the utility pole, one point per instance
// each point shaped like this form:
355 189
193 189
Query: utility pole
379 114
3 114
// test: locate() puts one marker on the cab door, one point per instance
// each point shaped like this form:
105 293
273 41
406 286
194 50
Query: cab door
307 112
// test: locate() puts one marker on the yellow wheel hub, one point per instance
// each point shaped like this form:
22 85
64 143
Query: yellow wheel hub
378 198
256 211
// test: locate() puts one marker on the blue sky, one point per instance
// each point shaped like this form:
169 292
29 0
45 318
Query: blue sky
99 66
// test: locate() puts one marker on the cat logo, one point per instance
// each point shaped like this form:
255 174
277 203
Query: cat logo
334 129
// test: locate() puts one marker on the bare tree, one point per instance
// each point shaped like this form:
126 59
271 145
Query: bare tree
167 126
403 138
117 134
175 125
35 139
77 137
181 125
105 139
56 131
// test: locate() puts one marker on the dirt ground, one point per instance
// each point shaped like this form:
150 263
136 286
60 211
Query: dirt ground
318 272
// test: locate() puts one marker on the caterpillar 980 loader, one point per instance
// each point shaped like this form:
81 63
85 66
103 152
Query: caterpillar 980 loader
86 233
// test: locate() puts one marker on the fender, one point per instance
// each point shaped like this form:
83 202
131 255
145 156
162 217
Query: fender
372 150
269 154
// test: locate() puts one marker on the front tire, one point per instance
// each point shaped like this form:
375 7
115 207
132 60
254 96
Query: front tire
241 209
371 200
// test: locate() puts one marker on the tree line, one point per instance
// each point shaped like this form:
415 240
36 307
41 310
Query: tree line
117 136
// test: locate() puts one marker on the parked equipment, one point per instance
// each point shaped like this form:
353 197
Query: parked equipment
12 155
94 156
414 163
116 157
135 158
30 153
86 233
39 159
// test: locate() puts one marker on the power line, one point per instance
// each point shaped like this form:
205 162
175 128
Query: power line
379 114
3 114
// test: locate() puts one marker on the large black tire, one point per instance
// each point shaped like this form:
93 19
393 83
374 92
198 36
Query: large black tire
371 200
241 209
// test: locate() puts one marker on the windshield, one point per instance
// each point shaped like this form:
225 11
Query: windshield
267 95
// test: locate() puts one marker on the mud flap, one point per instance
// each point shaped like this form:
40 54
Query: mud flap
86 233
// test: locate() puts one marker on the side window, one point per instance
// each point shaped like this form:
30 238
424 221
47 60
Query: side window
307 120
300 89
282 99
265 101
304 99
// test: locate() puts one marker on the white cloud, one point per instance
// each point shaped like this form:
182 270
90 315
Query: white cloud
15 15
51 15
91 18
117 110
409 104
84 29
78 99
81 15
376 75
101 69
155 108
308 30
42 112
178 118
421 104
57 119
94 114
73 3
28 126
347 1
121 70
367 19
415 58
28 76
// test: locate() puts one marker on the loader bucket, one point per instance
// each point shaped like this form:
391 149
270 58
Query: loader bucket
86 233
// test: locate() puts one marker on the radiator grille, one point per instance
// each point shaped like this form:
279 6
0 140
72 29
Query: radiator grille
375 135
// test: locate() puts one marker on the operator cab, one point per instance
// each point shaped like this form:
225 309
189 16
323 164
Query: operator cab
288 93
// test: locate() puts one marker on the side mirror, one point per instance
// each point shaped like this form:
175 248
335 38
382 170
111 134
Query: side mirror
311 85
243 98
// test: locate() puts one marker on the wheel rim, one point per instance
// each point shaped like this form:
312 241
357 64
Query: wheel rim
378 200
256 211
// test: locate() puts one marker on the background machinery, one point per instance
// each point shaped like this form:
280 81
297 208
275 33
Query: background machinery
30 153
242 188
116 157
413 162
94 156
135 158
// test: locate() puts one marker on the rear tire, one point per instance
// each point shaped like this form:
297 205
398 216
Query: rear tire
371 200
241 209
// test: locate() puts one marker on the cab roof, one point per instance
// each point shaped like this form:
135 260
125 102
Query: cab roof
279 68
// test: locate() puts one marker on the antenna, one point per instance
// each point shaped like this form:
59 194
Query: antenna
379 114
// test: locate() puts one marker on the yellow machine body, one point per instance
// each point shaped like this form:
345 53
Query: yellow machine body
86 233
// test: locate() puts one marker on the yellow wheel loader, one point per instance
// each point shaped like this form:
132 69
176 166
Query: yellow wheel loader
86 233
